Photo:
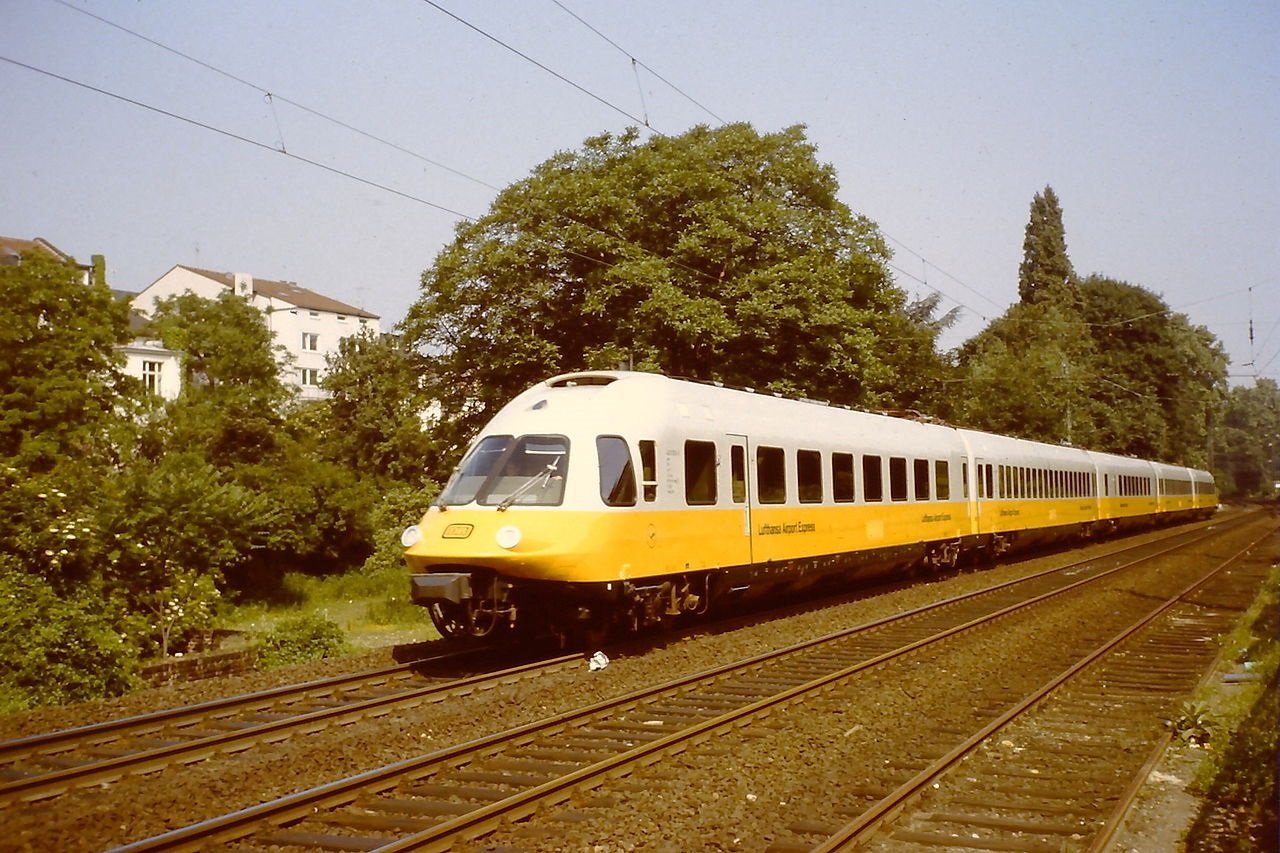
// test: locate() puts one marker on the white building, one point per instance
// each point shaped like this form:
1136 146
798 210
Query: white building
308 325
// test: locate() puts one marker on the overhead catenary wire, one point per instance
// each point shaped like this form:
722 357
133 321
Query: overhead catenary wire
583 89
272 97
636 62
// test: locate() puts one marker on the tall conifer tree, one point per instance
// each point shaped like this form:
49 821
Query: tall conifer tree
1044 249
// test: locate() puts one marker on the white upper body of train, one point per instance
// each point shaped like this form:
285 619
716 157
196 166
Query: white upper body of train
605 476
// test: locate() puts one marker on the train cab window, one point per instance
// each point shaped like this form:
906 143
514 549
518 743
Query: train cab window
842 488
475 469
530 473
649 470
921 477
809 476
872 479
964 478
771 475
942 479
738 473
617 474
897 478
699 473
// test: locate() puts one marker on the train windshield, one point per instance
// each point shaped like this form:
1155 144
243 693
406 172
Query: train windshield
504 471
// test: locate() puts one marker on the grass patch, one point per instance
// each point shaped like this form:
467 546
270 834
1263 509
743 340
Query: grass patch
369 608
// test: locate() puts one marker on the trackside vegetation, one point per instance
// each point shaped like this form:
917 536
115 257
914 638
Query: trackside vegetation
131 526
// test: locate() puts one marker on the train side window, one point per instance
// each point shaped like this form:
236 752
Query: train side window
699 473
771 475
990 478
617 474
872 479
809 476
897 478
942 479
649 470
738 473
964 478
842 490
921 478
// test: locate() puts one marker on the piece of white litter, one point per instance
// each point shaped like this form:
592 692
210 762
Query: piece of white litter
597 661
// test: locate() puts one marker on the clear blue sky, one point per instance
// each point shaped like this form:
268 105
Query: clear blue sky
1157 124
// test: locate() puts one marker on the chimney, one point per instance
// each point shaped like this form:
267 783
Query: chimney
243 284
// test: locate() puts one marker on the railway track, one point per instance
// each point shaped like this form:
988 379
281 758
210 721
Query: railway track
1060 767
46 765
567 768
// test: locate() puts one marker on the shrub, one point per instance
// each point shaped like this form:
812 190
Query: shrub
55 650
302 639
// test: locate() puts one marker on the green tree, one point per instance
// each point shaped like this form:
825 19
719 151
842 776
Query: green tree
60 380
1024 375
1155 380
232 398
1247 442
1045 264
1105 365
377 418
721 254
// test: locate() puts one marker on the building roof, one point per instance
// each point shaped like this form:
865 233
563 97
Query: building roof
12 247
288 292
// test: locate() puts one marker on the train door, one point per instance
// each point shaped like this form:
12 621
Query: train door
740 487
984 492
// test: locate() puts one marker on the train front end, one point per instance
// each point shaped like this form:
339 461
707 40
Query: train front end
519 537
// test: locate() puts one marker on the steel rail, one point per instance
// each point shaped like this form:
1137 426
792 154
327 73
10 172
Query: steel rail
51 784
870 822
342 792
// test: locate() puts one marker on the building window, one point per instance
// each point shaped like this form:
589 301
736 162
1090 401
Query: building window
342 318
310 341
310 376
151 375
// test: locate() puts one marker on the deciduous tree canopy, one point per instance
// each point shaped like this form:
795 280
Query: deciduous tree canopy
1104 365
60 379
720 254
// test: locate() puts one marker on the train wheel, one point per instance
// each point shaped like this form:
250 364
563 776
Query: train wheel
450 619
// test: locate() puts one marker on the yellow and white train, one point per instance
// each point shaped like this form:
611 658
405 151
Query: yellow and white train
613 498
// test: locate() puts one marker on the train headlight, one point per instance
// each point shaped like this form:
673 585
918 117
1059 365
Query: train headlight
411 536
509 537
